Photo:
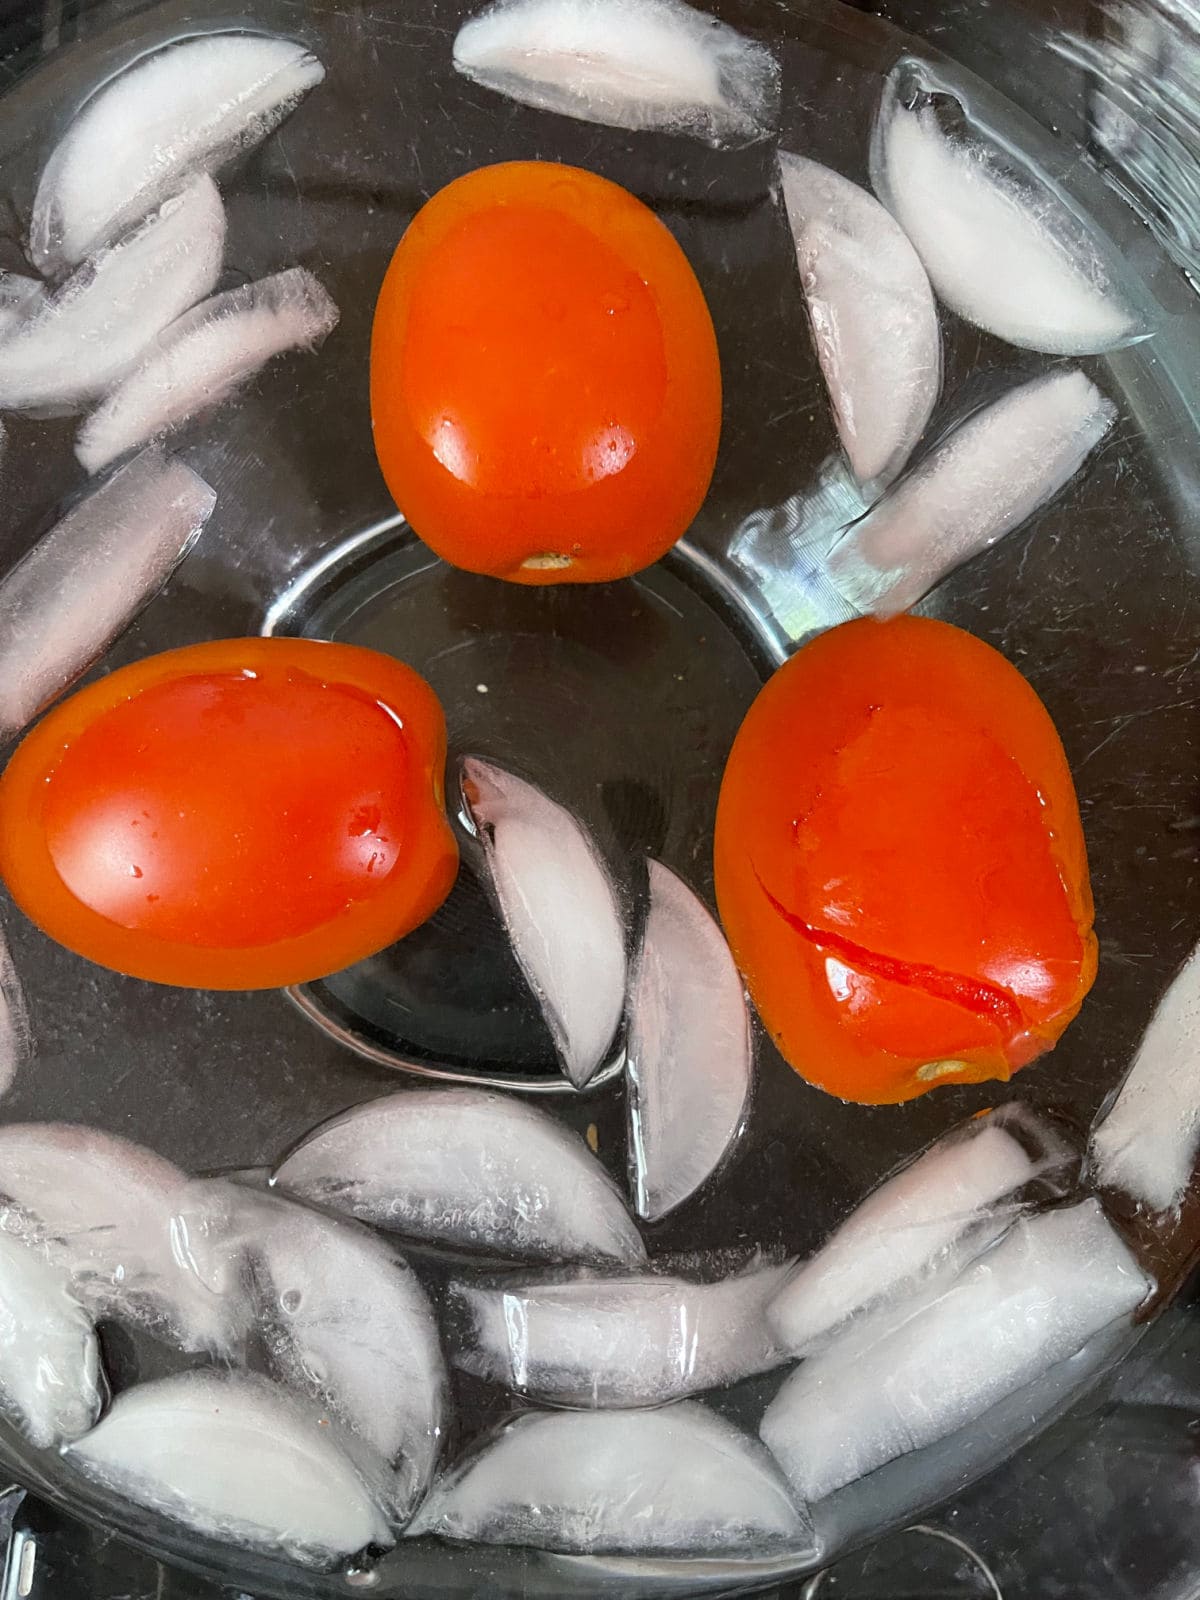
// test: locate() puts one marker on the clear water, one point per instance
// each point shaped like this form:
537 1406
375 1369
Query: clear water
628 695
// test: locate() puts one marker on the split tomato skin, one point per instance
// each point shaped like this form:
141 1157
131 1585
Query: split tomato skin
900 864
545 385
243 814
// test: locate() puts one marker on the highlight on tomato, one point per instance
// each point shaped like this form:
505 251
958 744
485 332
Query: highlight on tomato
545 386
242 814
900 863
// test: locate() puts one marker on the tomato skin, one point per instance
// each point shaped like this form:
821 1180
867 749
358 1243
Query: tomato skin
900 864
545 386
243 814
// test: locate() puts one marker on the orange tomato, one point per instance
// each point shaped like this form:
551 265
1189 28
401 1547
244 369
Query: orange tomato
900 865
545 389
235 815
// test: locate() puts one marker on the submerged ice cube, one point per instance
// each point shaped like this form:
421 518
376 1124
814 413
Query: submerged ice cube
470 1169
49 1359
981 481
689 1055
560 909
908 1225
627 63
85 336
16 1037
347 1324
1001 246
66 601
104 1210
678 1479
625 1341
1146 1142
182 109
1036 1299
873 318
236 1459
204 357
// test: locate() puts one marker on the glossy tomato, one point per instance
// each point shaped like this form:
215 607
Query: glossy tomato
900 865
545 389
236 815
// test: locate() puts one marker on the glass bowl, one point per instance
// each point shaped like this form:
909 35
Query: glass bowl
622 698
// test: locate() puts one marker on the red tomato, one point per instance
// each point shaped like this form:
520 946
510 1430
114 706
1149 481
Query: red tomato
235 815
900 865
545 388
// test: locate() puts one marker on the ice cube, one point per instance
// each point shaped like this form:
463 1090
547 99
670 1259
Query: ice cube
1146 1142
980 482
560 909
204 357
466 1168
236 1459
906 1226
49 1359
1002 247
169 114
873 318
103 1209
66 601
689 1057
677 1479
604 1342
88 334
16 1036
1052 1283
347 1324
627 63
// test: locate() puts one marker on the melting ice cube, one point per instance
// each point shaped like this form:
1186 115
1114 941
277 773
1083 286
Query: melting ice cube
176 111
1146 1143
234 1458
678 1479
104 1209
16 1037
560 909
620 1341
983 480
69 598
627 63
19 296
347 1324
49 1359
689 1056
909 1223
85 336
466 1168
873 318
204 357
1036 1299
1001 246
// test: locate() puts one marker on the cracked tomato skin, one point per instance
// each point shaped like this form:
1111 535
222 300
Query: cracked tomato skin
243 814
545 388
900 865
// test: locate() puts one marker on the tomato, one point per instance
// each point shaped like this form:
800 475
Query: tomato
235 815
900 865
545 389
